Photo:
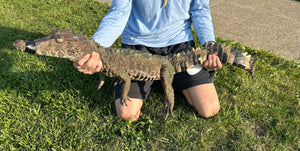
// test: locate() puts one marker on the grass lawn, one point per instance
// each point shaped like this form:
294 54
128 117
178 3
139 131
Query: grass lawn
46 104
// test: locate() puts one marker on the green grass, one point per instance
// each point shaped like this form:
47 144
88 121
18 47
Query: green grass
45 104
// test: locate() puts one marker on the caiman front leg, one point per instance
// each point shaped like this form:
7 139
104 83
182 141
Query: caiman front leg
101 81
167 75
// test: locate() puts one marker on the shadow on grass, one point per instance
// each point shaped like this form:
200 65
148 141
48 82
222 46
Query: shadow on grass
7 37
29 73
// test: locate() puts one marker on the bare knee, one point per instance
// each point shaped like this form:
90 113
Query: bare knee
128 116
131 111
204 98
208 110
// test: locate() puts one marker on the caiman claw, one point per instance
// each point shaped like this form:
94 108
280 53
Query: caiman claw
123 100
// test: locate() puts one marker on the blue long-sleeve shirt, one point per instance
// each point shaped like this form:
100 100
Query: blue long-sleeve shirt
142 22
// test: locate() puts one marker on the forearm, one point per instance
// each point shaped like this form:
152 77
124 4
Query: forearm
113 24
202 21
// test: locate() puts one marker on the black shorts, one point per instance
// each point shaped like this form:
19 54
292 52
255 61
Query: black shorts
181 81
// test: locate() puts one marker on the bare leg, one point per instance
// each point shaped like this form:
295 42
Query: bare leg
204 98
131 111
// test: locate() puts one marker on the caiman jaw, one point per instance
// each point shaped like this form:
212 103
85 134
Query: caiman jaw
25 46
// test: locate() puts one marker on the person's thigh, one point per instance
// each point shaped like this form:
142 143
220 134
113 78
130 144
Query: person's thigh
204 98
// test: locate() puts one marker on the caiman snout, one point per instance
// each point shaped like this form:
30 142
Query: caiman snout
25 46
20 45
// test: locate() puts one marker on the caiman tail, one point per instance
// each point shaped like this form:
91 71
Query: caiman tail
228 55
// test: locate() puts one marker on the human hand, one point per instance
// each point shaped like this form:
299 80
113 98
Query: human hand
89 64
213 63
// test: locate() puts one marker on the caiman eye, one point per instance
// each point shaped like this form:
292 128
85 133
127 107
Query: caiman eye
59 40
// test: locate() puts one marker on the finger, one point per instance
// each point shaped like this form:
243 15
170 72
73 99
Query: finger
219 64
83 59
81 69
205 64
95 55
99 66
97 63
209 61
75 64
214 64
93 62
88 72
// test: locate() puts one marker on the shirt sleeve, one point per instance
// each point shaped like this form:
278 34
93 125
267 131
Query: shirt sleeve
114 22
202 21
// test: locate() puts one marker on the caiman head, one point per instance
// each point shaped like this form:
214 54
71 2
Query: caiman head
59 43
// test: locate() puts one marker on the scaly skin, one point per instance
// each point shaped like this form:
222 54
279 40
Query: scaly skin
127 64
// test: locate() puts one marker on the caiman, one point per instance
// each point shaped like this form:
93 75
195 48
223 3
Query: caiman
128 64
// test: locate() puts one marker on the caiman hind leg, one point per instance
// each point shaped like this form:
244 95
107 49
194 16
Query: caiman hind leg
125 88
123 76
167 74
